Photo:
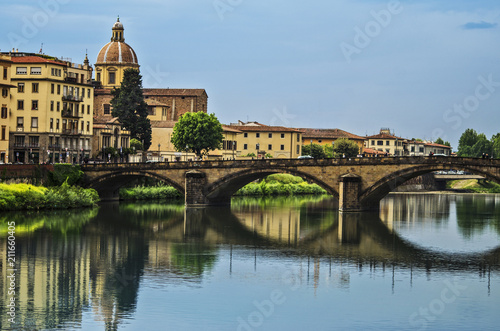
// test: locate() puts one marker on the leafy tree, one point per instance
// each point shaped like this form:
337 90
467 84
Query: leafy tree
315 150
328 150
466 141
137 144
495 148
482 146
439 141
198 133
130 108
346 147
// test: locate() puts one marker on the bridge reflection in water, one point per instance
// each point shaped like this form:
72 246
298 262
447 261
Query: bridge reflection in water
101 262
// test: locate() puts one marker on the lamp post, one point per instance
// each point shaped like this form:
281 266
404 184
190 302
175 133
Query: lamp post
311 148
234 147
187 147
159 146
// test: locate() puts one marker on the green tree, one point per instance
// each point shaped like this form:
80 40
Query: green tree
465 143
346 147
495 148
439 141
315 150
137 144
482 146
130 108
198 133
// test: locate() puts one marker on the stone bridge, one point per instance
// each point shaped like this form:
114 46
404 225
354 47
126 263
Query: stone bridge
358 183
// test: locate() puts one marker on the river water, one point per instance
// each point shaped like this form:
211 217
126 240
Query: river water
424 262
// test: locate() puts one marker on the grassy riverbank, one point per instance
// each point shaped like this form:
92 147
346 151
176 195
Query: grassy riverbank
474 186
30 197
280 184
159 191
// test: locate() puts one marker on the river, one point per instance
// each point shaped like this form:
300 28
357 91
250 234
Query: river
424 262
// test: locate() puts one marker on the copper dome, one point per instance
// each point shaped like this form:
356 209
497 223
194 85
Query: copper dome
117 51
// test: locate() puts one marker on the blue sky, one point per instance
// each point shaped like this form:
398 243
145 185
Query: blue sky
422 68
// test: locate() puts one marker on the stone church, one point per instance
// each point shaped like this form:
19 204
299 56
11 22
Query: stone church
165 105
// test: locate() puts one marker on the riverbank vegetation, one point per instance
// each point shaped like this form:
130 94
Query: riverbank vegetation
474 186
160 191
30 197
280 184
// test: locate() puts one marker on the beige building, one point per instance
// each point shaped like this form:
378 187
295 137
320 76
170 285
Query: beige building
387 143
261 140
325 137
5 86
52 102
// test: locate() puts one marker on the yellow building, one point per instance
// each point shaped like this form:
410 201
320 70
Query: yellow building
325 137
52 106
5 86
261 140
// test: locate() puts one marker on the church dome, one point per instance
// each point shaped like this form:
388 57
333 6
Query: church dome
117 51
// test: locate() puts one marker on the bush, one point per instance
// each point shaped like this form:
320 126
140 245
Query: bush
157 192
65 172
280 184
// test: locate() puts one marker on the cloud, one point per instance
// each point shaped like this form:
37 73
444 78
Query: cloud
480 25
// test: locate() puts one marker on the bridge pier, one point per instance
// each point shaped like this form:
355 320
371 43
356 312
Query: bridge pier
196 182
349 187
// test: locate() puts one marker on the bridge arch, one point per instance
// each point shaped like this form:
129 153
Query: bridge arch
220 192
371 196
109 185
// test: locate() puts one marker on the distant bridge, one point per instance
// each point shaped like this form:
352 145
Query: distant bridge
358 183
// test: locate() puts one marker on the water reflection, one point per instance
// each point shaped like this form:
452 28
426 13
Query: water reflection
97 260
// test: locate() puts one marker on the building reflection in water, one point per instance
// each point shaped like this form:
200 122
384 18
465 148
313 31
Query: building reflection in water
99 264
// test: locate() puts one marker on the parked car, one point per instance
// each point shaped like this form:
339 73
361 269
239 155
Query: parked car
305 157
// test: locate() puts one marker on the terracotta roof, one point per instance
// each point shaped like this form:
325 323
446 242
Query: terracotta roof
372 151
163 124
230 129
328 134
106 119
35 59
153 102
416 142
437 145
172 92
262 128
384 136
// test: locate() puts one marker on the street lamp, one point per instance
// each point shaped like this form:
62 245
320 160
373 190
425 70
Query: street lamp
187 147
234 147
159 146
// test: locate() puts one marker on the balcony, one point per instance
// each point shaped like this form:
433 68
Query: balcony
72 132
70 79
72 97
71 114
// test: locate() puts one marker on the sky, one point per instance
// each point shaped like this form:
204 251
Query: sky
425 69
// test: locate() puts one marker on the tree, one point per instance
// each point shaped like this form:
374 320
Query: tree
198 133
345 147
495 148
439 141
466 141
137 144
315 150
130 108
482 146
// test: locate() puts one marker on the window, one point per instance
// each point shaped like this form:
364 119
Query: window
36 71
421 150
270 147
245 146
88 126
34 141
88 109
257 135
51 105
245 135
83 92
3 132
4 112
320 141
298 149
21 70
282 135
98 77
298 138
4 73
20 123
34 104
380 143
5 92
282 147
270 135
111 78
373 142
20 104
257 147
20 87
58 89
34 87
412 149
83 123
52 88
58 108
107 109
51 124
64 125
88 93
387 143
83 109
34 122
57 124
